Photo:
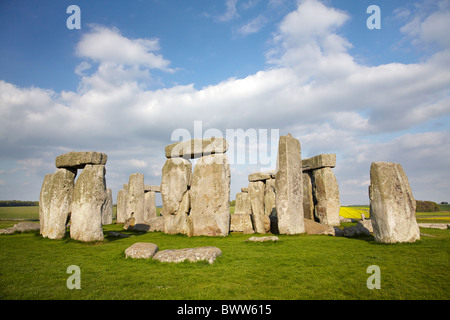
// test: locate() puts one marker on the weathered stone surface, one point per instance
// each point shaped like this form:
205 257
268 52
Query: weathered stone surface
175 180
263 239
256 191
289 186
78 160
243 205
261 176
156 224
87 202
21 227
141 250
107 210
149 206
241 223
150 188
210 196
196 148
269 198
312 227
319 161
442 226
326 193
308 200
244 189
136 197
359 229
55 202
121 211
191 254
392 205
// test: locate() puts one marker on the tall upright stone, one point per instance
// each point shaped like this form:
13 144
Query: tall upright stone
256 191
289 186
243 205
135 197
269 198
175 182
392 205
308 202
89 197
210 196
326 192
55 202
149 206
107 213
122 204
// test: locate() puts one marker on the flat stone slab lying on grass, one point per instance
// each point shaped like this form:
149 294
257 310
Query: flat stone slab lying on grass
263 239
21 227
442 226
141 250
191 254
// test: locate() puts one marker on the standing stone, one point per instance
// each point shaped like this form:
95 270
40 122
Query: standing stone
135 197
88 200
149 206
308 202
289 186
175 182
243 205
256 191
392 205
269 198
210 196
122 205
107 212
326 192
241 223
55 202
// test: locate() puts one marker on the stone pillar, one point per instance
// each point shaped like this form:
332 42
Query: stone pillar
175 182
269 198
135 198
210 196
87 202
107 212
122 204
55 202
150 204
243 205
308 202
289 186
326 192
256 191
392 205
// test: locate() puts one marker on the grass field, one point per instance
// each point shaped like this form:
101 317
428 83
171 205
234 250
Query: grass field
296 267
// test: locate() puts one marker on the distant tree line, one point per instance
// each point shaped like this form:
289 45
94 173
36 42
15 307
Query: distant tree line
18 203
426 206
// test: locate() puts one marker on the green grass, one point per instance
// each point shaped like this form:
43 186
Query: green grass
296 267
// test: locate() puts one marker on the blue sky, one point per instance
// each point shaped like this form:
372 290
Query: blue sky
137 71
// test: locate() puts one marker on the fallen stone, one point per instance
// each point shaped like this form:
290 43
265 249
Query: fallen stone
115 234
263 239
79 160
89 196
141 250
289 186
312 227
21 227
190 254
392 205
196 148
319 161
442 226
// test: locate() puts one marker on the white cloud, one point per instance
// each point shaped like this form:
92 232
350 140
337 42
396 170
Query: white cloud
231 11
253 26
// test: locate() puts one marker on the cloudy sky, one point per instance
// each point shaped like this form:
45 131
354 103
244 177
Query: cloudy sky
139 75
